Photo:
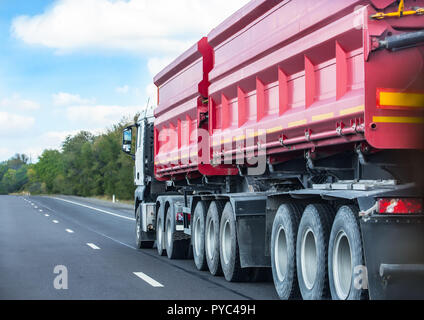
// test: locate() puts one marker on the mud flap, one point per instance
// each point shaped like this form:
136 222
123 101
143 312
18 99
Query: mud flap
394 257
250 217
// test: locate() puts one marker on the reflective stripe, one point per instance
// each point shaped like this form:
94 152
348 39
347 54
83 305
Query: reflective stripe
321 117
352 110
401 99
276 129
398 119
297 123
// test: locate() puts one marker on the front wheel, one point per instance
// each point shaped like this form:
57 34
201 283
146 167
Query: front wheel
139 242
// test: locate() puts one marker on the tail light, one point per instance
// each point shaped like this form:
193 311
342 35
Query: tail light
400 206
180 217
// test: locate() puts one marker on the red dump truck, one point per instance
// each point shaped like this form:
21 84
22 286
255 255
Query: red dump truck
290 139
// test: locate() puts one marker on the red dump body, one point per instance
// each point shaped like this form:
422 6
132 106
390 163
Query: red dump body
292 76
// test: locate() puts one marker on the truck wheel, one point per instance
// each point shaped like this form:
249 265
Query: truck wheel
229 250
198 238
141 244
283 251
160 234
212 238
344 254
175 249
312 251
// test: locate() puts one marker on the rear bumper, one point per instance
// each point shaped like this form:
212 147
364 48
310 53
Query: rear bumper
394 257
389 271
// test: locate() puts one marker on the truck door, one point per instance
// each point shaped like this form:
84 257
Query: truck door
139 155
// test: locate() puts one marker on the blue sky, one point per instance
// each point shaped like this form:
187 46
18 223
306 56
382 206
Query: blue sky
70 65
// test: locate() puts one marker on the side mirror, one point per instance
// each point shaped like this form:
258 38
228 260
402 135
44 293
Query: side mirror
127 141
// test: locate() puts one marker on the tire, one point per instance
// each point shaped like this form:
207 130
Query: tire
175 249
312 252
228 249
160 233
213 219
283 251
140 244
198 238
344 254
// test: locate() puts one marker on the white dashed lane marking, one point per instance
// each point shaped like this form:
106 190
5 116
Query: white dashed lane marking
93 246
96 209
140 275
148 279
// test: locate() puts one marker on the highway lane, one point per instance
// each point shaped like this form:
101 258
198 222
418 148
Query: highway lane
94 240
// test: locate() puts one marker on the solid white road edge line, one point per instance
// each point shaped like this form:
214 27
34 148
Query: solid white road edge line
92 208
149 280
93 246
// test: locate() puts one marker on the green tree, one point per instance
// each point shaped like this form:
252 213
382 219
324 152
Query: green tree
48 168
87 165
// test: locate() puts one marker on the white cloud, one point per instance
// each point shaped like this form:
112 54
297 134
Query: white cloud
152 94
161 26
51 140
123 90
17 103
155 65
5 154
100 115
65 99
13 123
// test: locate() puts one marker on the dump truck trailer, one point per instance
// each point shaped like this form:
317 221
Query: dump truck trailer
289 141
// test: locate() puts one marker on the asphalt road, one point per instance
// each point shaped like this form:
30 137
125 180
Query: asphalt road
94 241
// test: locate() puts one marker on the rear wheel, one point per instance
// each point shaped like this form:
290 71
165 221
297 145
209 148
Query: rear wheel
283 251
229 250
344 254
212 238
160 234
312 251
141 244
175 249
198 239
